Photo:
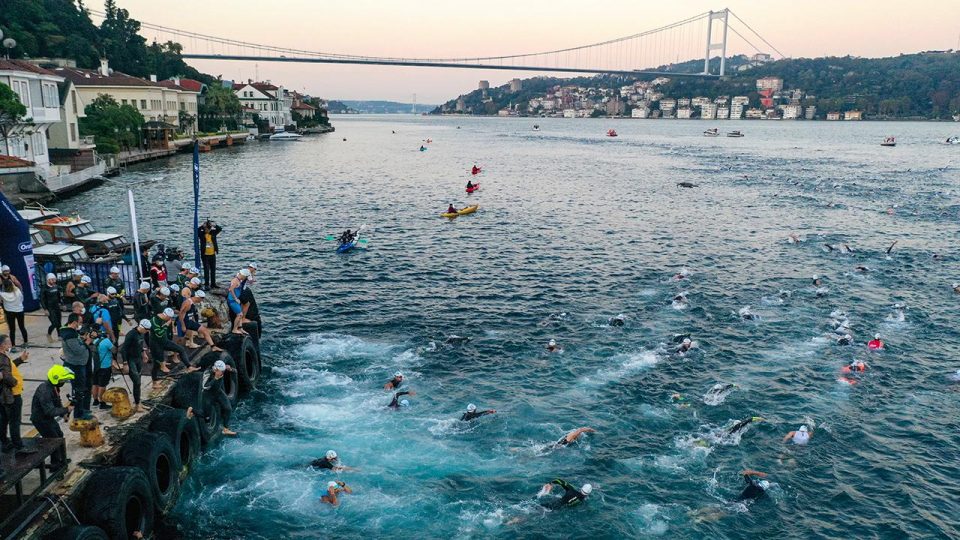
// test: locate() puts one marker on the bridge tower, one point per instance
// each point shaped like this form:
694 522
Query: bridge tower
712 45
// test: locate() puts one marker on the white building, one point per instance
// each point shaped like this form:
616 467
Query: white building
792 112
770 83
810 112
736 111
569 113
640 112
270 102
754 114
723 113
684 113
38 90
708 111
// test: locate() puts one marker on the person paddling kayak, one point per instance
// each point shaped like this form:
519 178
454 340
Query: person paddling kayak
451 210
475 170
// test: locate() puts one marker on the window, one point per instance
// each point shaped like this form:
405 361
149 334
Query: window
143 104
73 131
183 106
123 102
51 97
73 98
22 89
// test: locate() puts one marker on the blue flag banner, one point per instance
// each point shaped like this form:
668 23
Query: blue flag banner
196 203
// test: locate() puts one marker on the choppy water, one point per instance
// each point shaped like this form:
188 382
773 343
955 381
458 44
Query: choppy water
578 224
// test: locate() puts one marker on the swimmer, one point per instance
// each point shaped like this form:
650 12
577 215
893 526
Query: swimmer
955 377
573 436
396 403
685 346
817 282
889 249
682 274
571 495
862 269
876 344
473 413
678 400
755 488
856 366
334 488
898 314
956 288
330 461
395 382
746 314
680 300
553 347
845 339
794 239
736 428
799 437
456 340
619 320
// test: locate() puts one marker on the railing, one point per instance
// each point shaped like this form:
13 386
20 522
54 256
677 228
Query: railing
58 183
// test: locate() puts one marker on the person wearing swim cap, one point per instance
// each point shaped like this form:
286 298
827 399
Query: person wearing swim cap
755 488
395 382
220 398
50 298
845 339
142 302
571 495
396 403
573 436
855 366
685 346
817 282
956 288
160 300
237 285
799 437
330 461
473 413
742 424
619 320
160 340
334 488
133 352
553 347
875 344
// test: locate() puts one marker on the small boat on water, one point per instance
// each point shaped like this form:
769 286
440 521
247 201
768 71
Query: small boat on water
952 140
736 133
889 141
611 133
536 127
462 212
473 187
282 135
712 132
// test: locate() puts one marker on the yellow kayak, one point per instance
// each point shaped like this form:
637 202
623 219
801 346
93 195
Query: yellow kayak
461 212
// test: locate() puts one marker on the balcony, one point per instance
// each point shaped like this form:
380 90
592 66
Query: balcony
45 115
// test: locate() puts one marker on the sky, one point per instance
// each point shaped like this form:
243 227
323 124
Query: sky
450 28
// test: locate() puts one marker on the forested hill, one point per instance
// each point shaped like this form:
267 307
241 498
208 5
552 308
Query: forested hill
923 85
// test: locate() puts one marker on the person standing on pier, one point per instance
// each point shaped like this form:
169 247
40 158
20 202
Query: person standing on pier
12 300
208 252
50 300
77 356
11 396
47 407
133 353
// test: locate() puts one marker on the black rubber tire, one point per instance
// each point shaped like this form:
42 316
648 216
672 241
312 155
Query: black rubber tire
244 353
153 453
209 422
253 329
77 532
188 391
183 432
119 501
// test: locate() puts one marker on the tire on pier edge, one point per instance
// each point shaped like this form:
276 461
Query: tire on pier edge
77 532
119 501
188 391
247 357
184 434
153 453
210 422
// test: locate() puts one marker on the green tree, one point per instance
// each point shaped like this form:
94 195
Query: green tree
51 28
115 126
220 108
122 44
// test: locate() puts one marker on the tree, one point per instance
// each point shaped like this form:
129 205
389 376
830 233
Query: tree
115 126
220 107
122 44
11 114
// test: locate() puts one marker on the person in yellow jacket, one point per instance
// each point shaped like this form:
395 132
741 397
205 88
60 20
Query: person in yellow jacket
11 397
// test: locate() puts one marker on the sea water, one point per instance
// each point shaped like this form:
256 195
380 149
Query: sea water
575 228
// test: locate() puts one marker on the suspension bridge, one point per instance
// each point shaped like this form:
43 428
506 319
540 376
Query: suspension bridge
656 52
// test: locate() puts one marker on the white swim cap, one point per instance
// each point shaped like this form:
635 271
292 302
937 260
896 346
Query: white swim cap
876 336
955 285
4 268
174 287
114 270
194 270
145 324
111 290
51 276
77 272
169 312
803 429
331 484
404 403
200 294
252 265
244 273
816 276
219 365
552 343
686 341
86 279
195 281
144 286
586 489
165 291
398 374
331 454
471 407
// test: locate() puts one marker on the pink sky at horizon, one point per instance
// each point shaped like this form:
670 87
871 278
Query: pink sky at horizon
431 28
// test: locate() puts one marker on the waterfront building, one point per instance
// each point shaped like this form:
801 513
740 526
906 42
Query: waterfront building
833 116
188 101
615 107
708 111
683 103
792 112
270 102
736 111
516 85
853 115
569 113
723 113
684 113
740 100
700 101
810 112
38 90
754 113
640 112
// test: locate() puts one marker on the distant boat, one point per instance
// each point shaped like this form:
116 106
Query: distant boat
536 127
281 135
956 118
952 140
611 133
713 132
889 141
735 134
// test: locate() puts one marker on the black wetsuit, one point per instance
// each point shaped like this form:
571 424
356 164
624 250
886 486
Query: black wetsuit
467 416
571 496
253 312
323 463
740 425
395 404
132 353
753 490
50 300
395 382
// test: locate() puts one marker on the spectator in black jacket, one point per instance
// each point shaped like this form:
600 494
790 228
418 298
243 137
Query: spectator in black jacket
208 252
47 408
50 301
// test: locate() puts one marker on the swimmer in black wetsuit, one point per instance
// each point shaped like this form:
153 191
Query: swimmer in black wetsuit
743 423
397 403
395 382
472 413
330 461
754 489
571 495
573 436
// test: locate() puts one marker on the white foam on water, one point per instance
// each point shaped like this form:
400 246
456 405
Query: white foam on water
650 520
718 394
622 366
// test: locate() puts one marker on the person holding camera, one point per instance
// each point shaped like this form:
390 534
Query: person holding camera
77 356
207 233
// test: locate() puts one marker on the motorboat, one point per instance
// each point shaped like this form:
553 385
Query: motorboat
536 127
611 133
736 133
79 231
713 132
281 135
952 140
889 141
